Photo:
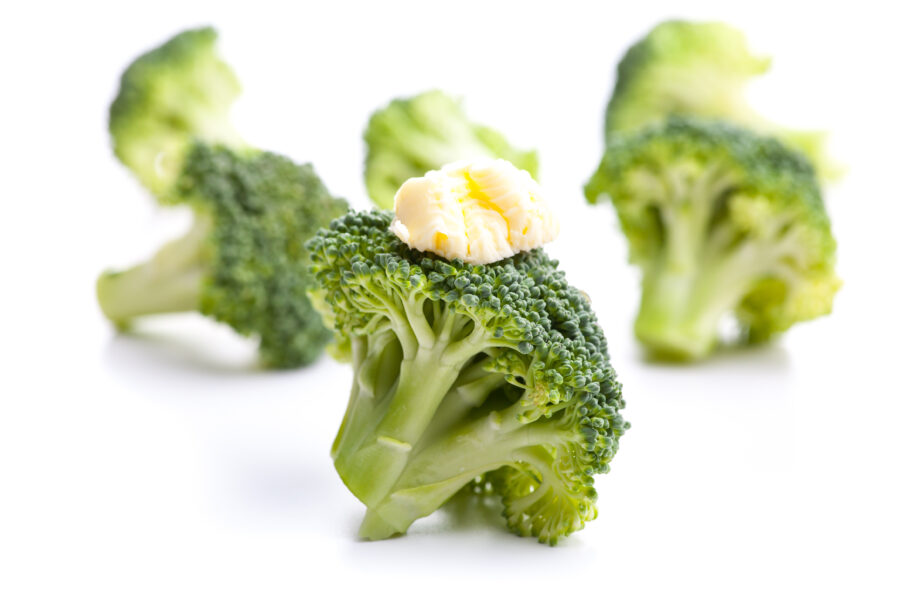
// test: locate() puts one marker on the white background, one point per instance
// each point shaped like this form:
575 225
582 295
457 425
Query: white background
164 465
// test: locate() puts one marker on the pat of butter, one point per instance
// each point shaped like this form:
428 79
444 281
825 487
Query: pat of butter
478 211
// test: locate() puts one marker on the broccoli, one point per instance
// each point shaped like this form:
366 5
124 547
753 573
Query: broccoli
411 136
464 373
720 220
168 97
697 69
243 262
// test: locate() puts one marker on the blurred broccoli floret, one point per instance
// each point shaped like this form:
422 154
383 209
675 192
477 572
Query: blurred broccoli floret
720 220
411 136
243 262
465 370
172 95
698 69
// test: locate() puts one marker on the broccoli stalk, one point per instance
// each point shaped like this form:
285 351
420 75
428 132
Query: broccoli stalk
411 136
720 221
170 282
687 292
462 371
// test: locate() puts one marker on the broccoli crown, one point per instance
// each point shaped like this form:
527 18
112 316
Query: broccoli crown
720 219
169 96
244 263
412 136
465 370
264 207
682 68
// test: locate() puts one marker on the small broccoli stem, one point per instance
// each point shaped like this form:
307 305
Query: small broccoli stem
681 308
466 395
371 467
172 281
676 320
438 471
689 209
376 360
445 465
374 456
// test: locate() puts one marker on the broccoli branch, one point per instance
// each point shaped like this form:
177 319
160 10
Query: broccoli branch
437 468
388 422
705 269
171 281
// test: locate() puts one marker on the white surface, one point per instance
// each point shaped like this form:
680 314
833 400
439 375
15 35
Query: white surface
164 466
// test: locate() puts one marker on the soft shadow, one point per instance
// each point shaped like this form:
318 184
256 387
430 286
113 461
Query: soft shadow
467 511
741 357
283 487
138 351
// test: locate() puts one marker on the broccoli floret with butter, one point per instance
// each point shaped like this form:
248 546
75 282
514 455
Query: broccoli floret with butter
463 371
411 136
721 221
685 68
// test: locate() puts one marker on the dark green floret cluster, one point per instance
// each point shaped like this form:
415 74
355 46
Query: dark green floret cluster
411 136
721 221
465 373
243 262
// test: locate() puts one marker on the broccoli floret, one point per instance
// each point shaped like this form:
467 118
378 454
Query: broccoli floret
411 136
697 69
168 97
243 262
720 220
465 370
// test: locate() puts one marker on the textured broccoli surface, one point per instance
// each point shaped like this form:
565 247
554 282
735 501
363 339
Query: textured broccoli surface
697 69
720 220
411 136
168 97
493 373
243 262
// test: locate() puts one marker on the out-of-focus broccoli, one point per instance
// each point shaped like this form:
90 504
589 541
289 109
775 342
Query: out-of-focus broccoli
720 220
495 373
697 69
243 262
411 136
168 97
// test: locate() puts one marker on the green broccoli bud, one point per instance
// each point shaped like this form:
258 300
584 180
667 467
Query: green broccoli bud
462 371
244 262
720 220
411 136
697 69
168 97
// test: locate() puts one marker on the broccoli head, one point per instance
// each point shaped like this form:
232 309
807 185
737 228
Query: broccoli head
168 97
412 136
697 69
243 262
465 373
720 220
